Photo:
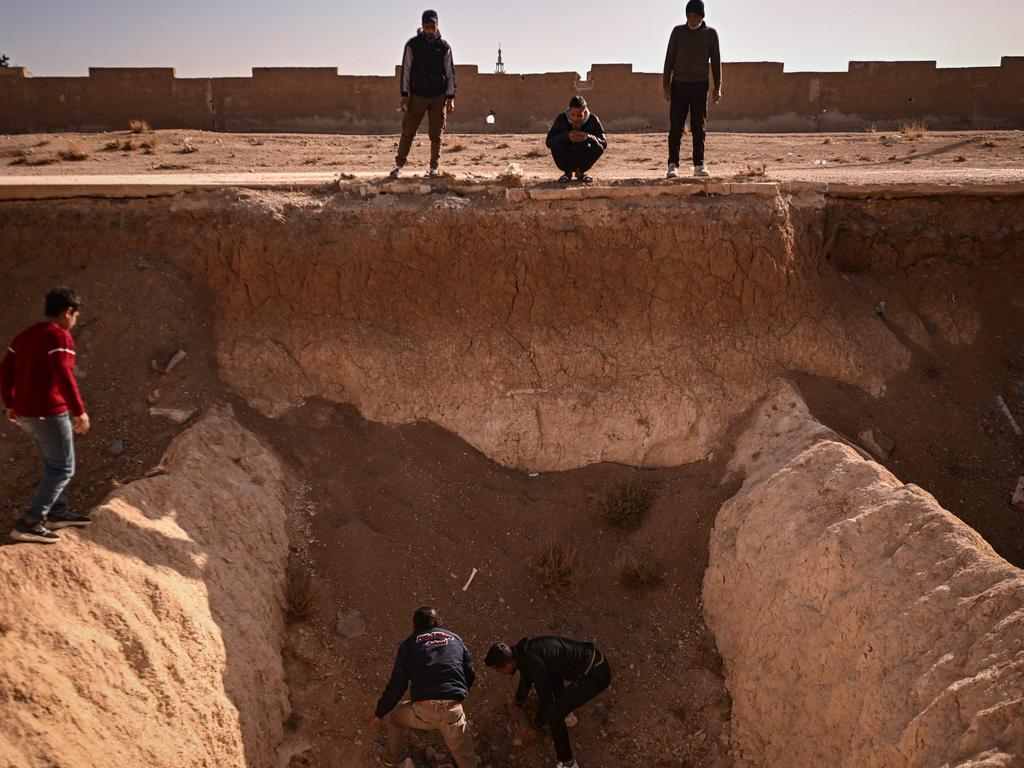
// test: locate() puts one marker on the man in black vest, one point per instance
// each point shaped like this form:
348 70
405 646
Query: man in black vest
692 47
428 88
544 664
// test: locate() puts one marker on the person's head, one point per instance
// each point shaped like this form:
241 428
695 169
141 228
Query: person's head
62 307
429 24
425 619
501 658
695 13
577 110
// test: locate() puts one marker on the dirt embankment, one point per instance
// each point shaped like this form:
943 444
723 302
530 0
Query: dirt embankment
154 637
860 623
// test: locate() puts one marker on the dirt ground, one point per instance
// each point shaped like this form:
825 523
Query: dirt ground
946 157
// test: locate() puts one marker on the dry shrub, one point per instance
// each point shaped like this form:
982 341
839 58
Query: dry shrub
626 505
301 594
988 144
36 160
171 167
140 126
311 160
187 147
457 148
503 145
557 564
150 143
872 128
755 170
828 140
111 146
74 151
535 152
913 129
960 159
639 571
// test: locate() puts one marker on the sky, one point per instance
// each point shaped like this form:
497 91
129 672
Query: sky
201 38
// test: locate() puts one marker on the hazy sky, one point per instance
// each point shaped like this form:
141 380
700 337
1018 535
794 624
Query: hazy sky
228 37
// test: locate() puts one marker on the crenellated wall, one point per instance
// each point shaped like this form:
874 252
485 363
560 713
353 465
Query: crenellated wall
759 96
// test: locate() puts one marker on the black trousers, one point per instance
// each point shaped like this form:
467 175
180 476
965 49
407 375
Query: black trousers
689 98
567 699
577 156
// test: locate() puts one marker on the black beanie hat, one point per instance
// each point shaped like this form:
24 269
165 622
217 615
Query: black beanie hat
696 6
429 16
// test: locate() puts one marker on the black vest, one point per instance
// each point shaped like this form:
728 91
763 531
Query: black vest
427 75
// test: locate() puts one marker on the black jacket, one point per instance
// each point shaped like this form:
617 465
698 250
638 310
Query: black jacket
428 68
437 662
559 133
546 661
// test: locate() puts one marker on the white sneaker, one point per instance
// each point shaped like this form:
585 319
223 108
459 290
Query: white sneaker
434 173
573 764
700 170
396 172
571 720
673 171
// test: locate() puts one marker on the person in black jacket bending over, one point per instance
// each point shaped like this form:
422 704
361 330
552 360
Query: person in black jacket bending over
441 670
545 663
427 88
576 141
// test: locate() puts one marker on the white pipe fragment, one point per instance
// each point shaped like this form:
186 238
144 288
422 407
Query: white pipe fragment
471 577
1004 410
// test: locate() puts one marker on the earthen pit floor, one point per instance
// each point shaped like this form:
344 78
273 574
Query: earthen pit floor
952 157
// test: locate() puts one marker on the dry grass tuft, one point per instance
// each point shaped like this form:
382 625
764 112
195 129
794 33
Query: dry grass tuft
828 140
627 505
312 160
535 152
872 128
187 147
912 129
21 157
557 564
150 143
754 170
456 148
639 571
140 126
74 151
989 144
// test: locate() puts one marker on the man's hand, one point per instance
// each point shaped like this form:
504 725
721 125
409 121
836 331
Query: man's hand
668 94
449 105
12 416
717 95
374 722
404 104
577 136
80 424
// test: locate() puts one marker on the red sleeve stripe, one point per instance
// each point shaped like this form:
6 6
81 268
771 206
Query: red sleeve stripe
61 349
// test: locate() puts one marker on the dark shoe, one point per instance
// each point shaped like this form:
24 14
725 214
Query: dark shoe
67 520
35 533
565 178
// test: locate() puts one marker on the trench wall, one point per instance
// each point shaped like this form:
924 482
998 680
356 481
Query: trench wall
155 638
760 96
860 624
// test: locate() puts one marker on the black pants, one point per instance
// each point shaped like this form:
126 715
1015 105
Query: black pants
567 699
577 156
692 98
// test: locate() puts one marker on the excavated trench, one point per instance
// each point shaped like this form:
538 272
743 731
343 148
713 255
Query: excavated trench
405 388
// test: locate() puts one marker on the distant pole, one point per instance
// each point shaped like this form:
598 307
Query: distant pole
499 68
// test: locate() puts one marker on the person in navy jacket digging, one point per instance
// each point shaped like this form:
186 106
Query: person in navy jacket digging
440 669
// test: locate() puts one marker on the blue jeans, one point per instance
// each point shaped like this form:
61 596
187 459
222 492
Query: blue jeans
55 442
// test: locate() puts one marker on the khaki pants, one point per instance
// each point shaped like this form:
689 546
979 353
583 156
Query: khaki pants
426 716
419 106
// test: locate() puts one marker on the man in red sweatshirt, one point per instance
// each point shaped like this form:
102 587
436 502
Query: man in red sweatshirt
40 394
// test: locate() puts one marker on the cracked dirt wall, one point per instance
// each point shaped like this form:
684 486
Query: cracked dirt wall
154 638
860 624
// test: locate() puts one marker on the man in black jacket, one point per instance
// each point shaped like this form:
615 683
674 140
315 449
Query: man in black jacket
544 664
441 670
576 141
427 88
691 48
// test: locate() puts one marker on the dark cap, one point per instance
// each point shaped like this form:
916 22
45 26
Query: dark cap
696 6
429 16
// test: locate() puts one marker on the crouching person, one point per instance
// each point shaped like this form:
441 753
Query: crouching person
576 141
441 672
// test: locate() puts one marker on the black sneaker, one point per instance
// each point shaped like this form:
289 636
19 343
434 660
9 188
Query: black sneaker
35 533
67 520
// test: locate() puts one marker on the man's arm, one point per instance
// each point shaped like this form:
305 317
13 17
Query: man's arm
670 61
395 688
539 676
467 667
7 368
62 368
449 75
557 134
406 77
716 63
597 133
